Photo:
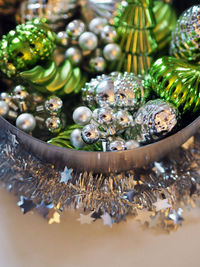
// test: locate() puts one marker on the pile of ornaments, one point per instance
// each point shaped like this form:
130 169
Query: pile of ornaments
120 117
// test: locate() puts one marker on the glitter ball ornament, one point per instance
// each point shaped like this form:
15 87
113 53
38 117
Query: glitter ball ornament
186 37
56 12
177 81
92 46
117 145
90 134
115 90
154 120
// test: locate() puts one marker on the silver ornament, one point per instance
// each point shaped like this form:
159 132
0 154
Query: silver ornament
90 134
117 145
112 52
104 116
75 28
97 64
88 41
123 119
53 124
4 108
62 38
76 139
20 92
53 104
82 115
97 24
26 122
105 92
74 55
5 97
109 34
131 144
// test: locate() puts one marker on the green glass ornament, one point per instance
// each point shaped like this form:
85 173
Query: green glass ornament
134 22
186 37
177 81
25 47
166 19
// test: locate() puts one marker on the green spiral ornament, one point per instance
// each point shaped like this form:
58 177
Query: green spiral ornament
186 37
178 82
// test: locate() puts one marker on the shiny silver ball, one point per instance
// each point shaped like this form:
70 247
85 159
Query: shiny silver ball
76 139
53 124
97 64
88 41
74 55
53 104
26 122
75 28
62 38
123 119
5 97
97 24
112 52
82 115
90 134
131 144
105 92
104 116
109 34
4 108
117 145
20 92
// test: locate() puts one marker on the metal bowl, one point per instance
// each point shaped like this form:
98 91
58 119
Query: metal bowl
101 162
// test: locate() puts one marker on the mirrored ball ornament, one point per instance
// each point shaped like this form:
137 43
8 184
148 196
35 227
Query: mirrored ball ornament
76 139
97 64
26 122
75 28
104 116
90 134
82 115
53 124
53 104
109 34
4 108
117 145
123 119
112 52
105 92
96 25
88 41
74 55
19 92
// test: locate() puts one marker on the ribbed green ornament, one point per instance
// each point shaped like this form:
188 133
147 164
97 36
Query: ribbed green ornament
178 82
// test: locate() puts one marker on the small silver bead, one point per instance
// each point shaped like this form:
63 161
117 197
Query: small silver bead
88 41
53 104
75 28
74 55
26 122
53 124
97 64
82 115
20 92
112 52
109 34
90 134
97 24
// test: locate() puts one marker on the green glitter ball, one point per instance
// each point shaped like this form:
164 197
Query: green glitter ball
25 47
178 82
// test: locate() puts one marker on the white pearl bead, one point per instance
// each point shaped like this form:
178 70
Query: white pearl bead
88 41
97 24
82 115
76 139
112 52
26 122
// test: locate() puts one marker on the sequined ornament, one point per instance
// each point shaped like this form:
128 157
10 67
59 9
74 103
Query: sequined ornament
92 46
134 23
153 121
56 12
8 6
32 111
177 81
186 37
25 47
116 90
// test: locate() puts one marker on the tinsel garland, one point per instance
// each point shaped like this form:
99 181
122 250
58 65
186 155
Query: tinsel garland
155 195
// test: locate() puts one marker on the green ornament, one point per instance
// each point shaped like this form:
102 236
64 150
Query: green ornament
166 19
186 37
177 81
25 47
134 23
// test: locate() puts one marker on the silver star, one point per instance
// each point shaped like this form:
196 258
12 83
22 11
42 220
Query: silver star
66 175
107 219
143 216
86 219
162 204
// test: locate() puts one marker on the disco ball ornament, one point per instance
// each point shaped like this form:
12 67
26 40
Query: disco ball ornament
8 6
186 37
178 82
55 11
116 90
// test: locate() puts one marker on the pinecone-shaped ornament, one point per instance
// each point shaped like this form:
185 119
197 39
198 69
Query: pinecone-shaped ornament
177 81
186 37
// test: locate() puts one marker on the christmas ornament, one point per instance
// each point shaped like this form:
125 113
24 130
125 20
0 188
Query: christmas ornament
8 6
115 90
134 23
186 37
176 81
31 111
92 46
56 12
154 120
166 19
